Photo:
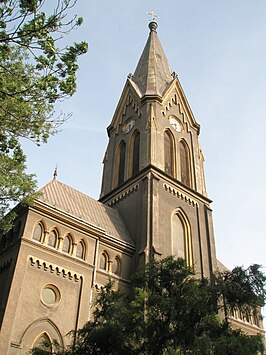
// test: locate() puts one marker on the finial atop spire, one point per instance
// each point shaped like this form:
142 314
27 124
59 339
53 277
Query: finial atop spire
55 172
153 24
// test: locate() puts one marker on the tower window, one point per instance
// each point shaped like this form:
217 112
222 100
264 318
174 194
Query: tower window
178 242
181 238
168 153
121 166
184 163
135 160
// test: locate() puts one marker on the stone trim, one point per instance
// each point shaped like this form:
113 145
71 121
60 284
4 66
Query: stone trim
53 268
169 104
5 264
180 195
124 195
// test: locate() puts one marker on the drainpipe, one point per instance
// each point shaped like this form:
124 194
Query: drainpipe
94 273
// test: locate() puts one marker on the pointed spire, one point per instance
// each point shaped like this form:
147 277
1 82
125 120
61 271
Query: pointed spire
153 74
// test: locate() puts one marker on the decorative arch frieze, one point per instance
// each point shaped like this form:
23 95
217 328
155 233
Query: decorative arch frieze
180 195
173 100
53 268
132 102
124 195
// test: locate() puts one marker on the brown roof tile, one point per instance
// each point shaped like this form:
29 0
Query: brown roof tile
64 198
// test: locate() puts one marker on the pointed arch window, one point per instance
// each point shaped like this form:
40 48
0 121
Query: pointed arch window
135 153
38 232
52 239
121 163
43 344
80 252
66 244
104 261
116 266
184 163
168 153
181 238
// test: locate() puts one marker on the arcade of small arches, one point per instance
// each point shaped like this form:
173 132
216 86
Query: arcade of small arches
52 239
67 246
108 265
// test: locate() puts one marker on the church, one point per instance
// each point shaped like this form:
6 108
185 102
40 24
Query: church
153 203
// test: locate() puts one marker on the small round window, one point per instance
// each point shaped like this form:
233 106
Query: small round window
50 295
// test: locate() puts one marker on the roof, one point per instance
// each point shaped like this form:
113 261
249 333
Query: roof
64 198
221 267
153 74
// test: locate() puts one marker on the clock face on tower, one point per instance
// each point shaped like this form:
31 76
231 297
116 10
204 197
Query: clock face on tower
175 124
128 126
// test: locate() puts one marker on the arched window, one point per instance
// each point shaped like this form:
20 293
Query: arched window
168 153
43 343
135 153
66 244
184 163
80 253
178 242
38 232
116 266
121 163
181 238
104 261
52 239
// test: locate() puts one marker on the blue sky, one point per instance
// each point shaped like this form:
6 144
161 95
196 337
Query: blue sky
218 49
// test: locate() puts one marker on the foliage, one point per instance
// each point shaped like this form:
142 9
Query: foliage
170 312
36 70
46 348
241 288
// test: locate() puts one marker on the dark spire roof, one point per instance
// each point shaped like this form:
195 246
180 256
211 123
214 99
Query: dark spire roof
153 74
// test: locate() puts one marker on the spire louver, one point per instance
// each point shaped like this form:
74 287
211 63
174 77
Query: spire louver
153 74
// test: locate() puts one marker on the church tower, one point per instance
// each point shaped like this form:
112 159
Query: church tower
153 167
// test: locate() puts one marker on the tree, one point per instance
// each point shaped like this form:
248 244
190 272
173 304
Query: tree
172 312
36 71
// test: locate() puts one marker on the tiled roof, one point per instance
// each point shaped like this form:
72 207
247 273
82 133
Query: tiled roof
64 198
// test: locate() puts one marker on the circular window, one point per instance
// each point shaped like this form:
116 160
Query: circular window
50 295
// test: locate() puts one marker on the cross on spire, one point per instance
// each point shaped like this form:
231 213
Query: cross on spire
55 172
153 15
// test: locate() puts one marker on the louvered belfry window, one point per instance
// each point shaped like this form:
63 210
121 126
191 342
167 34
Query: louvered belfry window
122 159
168 154
135 163
184 164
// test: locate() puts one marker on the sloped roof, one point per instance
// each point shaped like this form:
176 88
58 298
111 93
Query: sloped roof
221 267
153 74
64 198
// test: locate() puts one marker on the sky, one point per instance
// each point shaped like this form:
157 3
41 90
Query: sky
218 50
